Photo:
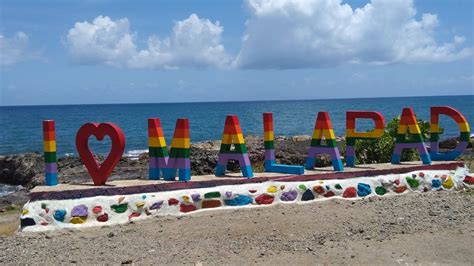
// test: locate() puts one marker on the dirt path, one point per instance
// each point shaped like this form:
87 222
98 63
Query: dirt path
434 227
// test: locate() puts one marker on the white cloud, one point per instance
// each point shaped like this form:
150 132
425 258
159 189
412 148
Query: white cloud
14 49
319 33
193 42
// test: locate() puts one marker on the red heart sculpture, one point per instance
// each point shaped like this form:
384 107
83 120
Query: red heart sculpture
100 173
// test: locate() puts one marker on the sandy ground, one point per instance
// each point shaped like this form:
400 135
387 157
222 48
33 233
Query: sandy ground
433 227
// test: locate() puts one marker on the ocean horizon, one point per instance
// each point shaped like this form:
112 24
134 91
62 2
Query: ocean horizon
291 117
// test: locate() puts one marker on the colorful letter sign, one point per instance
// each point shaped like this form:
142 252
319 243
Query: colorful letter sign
100 173
408 127
178 159
323 132
435 131
233 136
352 135
49 146
268 142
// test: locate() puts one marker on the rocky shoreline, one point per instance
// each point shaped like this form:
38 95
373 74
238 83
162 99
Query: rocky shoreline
27 169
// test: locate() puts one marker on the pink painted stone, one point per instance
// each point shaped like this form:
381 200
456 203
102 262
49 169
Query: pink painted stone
97 209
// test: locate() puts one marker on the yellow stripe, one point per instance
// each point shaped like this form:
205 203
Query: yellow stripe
268 135
49 146
233 139
464 127
180 143
375 133
156 142
414 129
328 134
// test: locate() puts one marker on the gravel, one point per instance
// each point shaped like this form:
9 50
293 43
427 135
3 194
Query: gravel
433 227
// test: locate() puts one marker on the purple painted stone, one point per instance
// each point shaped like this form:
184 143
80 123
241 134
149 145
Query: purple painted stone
156 205
228 194
79 210
289 196
196 197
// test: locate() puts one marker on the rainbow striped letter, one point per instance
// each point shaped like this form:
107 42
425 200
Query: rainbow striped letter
323 129
268 141
434 133
233 135
408 125
49 145
159 161
352 135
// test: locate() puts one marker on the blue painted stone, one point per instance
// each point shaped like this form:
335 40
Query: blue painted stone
59 215
307 195
289 195
240 200
436 183
363 189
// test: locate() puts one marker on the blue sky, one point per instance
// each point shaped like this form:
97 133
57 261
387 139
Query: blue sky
77 52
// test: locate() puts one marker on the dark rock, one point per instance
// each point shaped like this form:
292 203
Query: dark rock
307 195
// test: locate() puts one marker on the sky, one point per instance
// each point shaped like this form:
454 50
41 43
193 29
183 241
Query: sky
101 51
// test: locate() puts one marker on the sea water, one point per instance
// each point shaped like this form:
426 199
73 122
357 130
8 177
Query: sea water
21 126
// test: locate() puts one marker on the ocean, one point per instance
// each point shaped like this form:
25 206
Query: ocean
21 126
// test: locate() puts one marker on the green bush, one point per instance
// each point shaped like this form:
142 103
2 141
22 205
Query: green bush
381 149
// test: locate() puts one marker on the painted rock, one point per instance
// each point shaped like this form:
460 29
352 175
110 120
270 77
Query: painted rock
79 210
196 197
318 189
400 189
302 187
363 189
156 205
186 199
211 204
103 218
44 223
44 205
289 195
414 183
329 194
97 209
27 222
264 199
272 189
214 194
187 208
448 183
380 191
338 186
282 187
240 200
173 201
350 192
140 204
133 215
24 212
436 183
143 196
121 199
78 220
307 195
252 190
421 174
397 182
59 215
119 208
469 180
228 194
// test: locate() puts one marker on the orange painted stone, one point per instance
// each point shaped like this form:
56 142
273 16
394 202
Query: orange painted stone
400 189
318 189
